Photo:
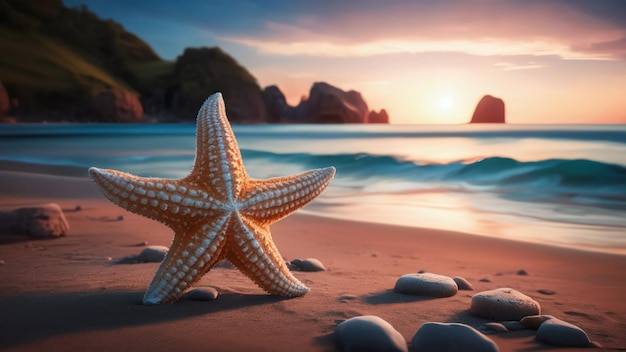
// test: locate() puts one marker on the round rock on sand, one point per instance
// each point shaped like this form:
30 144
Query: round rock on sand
308 264
451 337
368 333
201 294
426 284
463 284
504 304
560 333
45 220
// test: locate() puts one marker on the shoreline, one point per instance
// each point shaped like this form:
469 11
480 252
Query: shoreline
65 293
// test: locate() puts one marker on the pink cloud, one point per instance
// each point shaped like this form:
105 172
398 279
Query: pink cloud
475 27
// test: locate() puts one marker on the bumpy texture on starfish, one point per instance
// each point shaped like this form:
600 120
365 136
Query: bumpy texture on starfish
217 212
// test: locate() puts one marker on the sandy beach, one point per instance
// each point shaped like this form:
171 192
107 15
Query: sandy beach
67 293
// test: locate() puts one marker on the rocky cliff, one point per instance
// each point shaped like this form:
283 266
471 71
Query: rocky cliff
489 110
55 61
66 64
200 72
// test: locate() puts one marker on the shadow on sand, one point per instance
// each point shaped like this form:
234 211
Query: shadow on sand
33 317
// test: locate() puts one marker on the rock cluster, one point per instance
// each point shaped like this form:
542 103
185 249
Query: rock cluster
325 104
557 332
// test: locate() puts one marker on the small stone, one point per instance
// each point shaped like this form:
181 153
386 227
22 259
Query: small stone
522 272
451 337
120 217
421 271
201 294
368 333
513 325
2 262
463 284
546 292
484 280
225 264
150 254
504 304
493 328
78 208
426 284
345 298
308 264
153 254
560 333
141 244
534 321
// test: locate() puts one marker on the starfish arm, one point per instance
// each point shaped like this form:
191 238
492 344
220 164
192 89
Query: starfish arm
218 159
164 200
256 255
270 200
191 255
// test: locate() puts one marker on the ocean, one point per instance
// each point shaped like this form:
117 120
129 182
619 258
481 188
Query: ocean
562 185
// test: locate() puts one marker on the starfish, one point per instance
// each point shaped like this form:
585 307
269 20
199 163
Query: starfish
217 212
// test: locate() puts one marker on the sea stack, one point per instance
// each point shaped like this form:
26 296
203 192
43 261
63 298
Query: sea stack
489 110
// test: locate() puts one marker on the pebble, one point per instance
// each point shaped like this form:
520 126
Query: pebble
150 254
484 280
2 262
426 284
308 264
504 304
345 298
493 328
513 325
153 254
546 292
368 333
463 284
451 337
224 264
522 272
534 321
201 294
560 333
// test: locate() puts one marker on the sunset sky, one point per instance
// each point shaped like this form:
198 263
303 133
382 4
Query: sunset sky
553 61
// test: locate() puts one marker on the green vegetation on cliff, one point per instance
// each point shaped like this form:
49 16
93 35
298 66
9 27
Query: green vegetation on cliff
55 61
58 58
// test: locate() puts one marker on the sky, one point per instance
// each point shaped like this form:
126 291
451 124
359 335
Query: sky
424 61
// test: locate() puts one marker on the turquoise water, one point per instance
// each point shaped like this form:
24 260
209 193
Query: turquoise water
562 185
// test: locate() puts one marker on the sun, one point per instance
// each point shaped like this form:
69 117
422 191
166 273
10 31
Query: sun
446 103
